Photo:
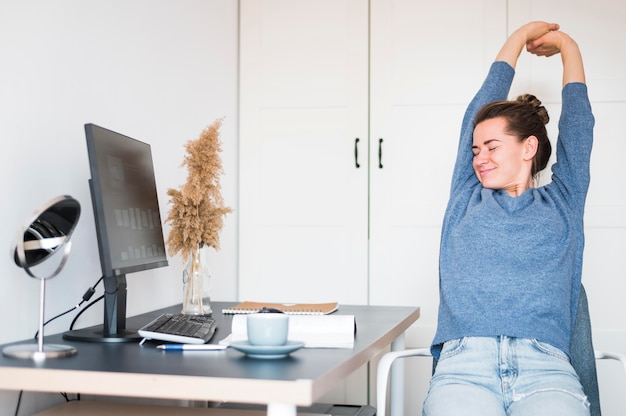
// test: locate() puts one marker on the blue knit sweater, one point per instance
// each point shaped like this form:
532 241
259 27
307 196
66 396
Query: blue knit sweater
512 265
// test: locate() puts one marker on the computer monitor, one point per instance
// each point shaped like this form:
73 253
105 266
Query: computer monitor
128 224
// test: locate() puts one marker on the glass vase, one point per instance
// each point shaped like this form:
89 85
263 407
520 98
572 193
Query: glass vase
196 277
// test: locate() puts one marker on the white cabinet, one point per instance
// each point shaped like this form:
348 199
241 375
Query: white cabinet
319 84
317 75
304 114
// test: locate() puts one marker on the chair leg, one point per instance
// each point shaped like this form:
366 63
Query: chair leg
382 374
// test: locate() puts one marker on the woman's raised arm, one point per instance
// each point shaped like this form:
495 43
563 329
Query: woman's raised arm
523 36
560 42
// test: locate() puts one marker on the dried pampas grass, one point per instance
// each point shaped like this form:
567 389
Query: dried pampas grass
197 209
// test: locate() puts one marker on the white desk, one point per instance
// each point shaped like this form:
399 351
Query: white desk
131 370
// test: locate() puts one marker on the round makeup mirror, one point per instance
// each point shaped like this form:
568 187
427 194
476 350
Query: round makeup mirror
45 236
46 232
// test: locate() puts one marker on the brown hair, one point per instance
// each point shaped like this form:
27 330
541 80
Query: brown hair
525 117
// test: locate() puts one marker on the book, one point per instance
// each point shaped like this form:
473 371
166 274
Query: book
290 309
315 331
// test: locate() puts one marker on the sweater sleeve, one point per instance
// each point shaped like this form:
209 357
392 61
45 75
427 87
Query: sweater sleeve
573 151
495 87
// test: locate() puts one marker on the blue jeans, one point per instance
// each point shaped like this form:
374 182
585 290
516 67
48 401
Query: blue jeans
504 376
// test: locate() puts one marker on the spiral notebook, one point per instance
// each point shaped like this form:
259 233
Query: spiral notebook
291 309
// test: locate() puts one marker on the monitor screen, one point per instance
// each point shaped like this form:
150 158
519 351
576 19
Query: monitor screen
128 222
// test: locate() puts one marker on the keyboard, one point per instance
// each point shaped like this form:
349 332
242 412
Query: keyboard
184 329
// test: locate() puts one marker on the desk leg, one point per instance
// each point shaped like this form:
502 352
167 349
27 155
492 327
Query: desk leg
280 409
396 395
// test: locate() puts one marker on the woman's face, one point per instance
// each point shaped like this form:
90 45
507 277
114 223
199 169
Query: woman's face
500 160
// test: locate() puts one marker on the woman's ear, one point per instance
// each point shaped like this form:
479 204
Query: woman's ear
530 147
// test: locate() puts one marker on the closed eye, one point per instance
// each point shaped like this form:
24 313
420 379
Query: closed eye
476 150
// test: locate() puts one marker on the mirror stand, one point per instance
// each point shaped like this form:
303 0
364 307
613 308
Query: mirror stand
47 232
39 351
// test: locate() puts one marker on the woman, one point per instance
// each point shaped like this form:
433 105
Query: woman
511 252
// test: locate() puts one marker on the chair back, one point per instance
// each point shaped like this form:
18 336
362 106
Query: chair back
582 354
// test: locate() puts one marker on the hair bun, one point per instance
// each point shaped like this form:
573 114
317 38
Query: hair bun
535 103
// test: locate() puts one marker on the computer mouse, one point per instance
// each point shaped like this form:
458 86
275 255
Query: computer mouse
265 309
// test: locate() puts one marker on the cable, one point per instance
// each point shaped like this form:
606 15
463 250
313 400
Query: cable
58 316
86 296
68 399
91 304
84 309
19 401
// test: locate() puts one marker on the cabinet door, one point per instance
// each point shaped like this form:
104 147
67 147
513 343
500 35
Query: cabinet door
427 61
303 200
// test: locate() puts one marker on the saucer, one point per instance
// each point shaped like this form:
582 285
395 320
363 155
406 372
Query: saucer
267 351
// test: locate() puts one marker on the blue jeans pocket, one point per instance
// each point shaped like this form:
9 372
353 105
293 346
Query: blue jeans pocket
452 348
549 349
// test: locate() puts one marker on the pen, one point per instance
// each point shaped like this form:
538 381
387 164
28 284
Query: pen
191 347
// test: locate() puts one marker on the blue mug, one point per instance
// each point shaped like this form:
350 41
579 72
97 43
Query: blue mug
267 329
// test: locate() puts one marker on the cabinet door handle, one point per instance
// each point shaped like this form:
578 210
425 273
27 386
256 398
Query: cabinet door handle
356 153
380 153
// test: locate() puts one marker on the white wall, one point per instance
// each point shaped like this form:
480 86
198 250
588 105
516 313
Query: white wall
155 70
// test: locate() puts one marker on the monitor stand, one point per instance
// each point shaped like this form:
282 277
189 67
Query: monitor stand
114 328
96 334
